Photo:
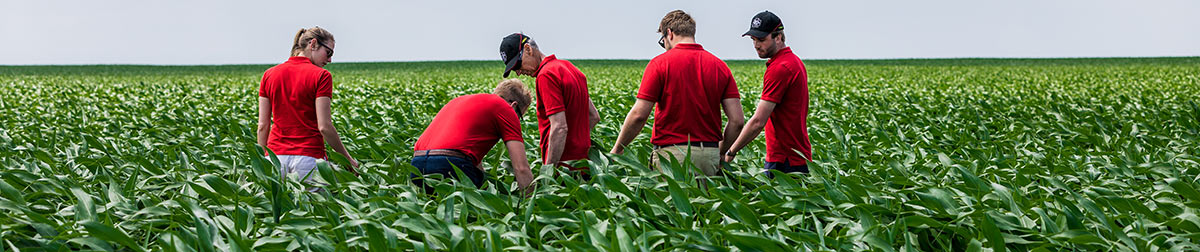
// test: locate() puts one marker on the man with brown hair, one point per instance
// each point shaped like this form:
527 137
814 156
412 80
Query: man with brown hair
783 109
688 87
466 129
565 111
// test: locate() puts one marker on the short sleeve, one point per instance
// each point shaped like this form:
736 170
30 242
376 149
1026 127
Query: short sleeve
776 83
508 123
731 90
262 87
325 85
652 82
550 92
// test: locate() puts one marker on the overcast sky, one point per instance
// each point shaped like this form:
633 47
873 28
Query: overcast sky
238 31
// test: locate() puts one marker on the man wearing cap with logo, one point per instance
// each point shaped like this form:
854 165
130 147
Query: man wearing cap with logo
783 109
565 111
688 87
467 127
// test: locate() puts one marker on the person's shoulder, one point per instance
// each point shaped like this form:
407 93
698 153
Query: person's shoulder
799 62
302 67
560 62
477 100
710 58
491 99
664 56
784 61
276 68
661 59
310 68
565 64
555 67
791 63
566 68
493 104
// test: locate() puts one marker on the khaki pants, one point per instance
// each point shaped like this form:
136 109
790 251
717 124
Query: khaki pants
708 159
302 166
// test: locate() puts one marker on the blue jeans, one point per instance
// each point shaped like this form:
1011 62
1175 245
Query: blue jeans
442 165
784 167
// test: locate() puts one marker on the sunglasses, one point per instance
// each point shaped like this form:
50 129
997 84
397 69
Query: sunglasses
516 109
329 52
663 41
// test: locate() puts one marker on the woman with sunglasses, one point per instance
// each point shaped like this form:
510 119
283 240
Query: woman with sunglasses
294 117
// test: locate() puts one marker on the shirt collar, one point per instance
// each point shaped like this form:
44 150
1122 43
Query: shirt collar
545 60
299 59
688 46
781 52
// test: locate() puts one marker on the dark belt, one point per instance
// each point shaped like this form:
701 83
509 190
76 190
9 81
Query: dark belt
695 144
443 152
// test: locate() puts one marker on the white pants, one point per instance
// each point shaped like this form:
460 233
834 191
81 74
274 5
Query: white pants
301 166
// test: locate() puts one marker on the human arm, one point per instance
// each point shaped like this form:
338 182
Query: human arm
520 165
330 134
634 122
752 129
557 138
736 119
593 115
264 121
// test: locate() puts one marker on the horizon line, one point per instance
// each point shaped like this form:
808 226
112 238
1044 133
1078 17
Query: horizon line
734 59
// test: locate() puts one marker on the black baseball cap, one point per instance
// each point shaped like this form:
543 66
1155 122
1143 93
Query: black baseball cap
511 49
763 24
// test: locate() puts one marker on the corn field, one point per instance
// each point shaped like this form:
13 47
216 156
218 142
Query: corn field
909 155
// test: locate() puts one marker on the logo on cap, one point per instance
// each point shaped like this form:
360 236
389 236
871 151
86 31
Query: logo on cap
503 56
756 23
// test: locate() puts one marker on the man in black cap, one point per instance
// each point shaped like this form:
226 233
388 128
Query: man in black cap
565 111
783 109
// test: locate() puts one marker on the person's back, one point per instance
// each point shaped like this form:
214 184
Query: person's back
471 124
687 83
565 111
467 127
293 88
563 88
688 88
294 107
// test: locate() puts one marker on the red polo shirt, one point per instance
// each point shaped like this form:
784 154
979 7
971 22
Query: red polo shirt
786 84
293 88
471 124
688 84
561 87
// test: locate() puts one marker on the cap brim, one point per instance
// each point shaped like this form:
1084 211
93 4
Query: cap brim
756 34
508 66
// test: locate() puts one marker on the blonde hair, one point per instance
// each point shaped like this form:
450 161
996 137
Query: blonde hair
678 22
307 34
513 90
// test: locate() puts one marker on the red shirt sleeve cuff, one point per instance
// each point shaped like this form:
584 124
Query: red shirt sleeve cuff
771 99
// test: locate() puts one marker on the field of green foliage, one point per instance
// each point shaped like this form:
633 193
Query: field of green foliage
909 155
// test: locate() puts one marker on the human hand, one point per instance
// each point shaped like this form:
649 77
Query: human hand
353 166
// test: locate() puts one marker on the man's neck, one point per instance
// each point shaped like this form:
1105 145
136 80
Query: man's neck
539 55
686 40
777 50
